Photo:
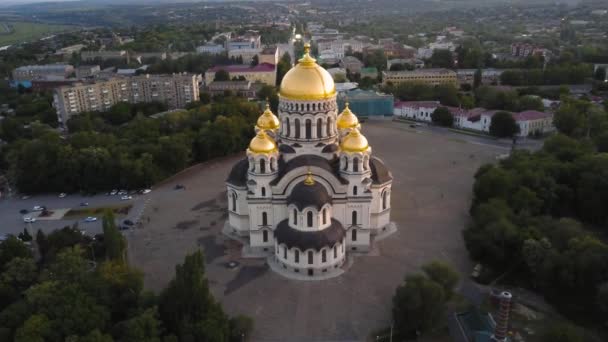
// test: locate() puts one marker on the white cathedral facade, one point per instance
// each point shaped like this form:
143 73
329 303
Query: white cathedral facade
309 191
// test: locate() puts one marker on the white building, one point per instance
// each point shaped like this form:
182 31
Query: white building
212 49
309 191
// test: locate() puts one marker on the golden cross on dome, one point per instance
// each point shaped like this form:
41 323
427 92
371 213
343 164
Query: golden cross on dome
309 179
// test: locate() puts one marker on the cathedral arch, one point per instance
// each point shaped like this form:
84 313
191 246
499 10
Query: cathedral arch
310 257
329 127
319 128
355 164
345 163
308 129
262 165
309 219
287 127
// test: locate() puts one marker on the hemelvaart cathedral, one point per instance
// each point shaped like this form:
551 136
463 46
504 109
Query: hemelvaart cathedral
309 192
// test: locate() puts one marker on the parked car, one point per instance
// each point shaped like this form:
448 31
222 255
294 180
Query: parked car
123 227
126 198
128 222
146 191
38 208
24 197
23 211
90 219
113 192
29 220
62 195
84 204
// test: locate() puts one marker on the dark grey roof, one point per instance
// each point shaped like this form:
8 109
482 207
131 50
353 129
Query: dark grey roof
238 174
309 160
304 240
380 174
286 149
314 195
330 148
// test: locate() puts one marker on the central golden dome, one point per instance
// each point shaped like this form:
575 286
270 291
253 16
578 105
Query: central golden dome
307 80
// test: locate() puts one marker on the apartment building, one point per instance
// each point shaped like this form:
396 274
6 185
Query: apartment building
264 72
39 72
426 76
88 56
175 90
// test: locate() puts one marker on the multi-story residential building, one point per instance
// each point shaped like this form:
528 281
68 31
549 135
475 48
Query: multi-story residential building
175 90
352 64
250 40
269 55
212 49
526 49
329 45
263 73
241 88
40 72
104 55
245 54
416 63
426 76
85 71
488 76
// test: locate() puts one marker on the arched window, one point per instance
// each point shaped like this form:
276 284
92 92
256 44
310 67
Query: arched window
329 122
335 251
284 252
263 192
262 166
297 256
319 128
354 218
355 190
324 215
295 217
233 201
345 163
308 129
310 257
297 128
265 235
355 164
324 255
384 200
271 163
309 218
354 235
264 219
287 127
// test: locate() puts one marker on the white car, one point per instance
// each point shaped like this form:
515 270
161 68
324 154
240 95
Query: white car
29 220
90 219
113 192
62 195
38 208
146 191
126 198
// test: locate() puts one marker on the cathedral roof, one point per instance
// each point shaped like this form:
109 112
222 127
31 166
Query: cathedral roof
306 194
308 160
238 174
304 240
380 174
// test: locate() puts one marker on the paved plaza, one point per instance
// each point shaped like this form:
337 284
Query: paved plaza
433 177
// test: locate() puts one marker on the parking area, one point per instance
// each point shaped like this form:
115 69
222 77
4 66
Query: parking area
433 174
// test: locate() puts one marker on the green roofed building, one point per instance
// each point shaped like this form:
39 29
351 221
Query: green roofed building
367 103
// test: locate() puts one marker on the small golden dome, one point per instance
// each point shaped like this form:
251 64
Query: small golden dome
354 141
307 80
268 121
347 119
262 143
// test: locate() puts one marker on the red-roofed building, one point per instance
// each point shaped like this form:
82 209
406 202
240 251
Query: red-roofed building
264 72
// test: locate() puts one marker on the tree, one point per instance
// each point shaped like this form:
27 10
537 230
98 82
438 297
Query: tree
114 242
442 59
12 248
187 307
418 304
562 333
142 328
443 274
221 75
36 329
503 125
600 74
283 66
255 61
442 117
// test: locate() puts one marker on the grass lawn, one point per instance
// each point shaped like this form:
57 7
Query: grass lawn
27 31
119 210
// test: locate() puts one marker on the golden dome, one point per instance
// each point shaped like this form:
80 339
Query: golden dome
354 141
307 80
347 119
268 121
262 143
